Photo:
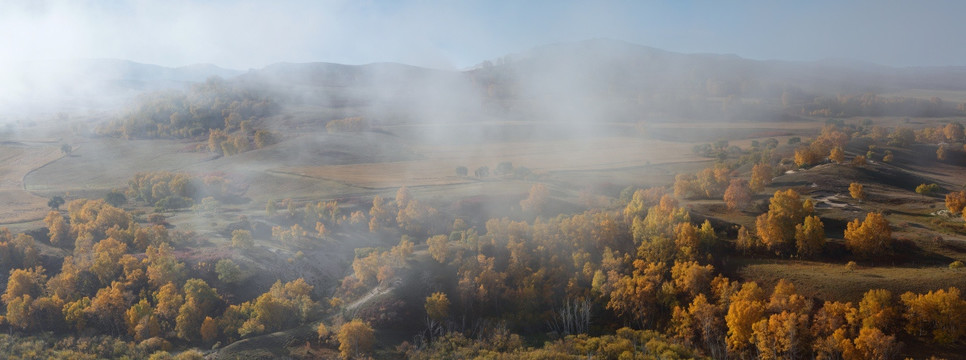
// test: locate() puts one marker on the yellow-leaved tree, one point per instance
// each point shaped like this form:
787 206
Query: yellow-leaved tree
869 238
437 306
355 339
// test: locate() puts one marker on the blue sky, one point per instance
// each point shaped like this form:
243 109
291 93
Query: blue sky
246 34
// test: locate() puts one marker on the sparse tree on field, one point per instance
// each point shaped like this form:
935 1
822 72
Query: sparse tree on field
738 194
776 228
536 200
807 156
482 172
55 202
856 190
837 155
953 132
941 153
956 201
888 157
858 161
761 176
66 149
264 138
462 171
869 238
270 208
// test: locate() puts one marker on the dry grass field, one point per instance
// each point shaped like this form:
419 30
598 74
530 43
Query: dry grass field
17 159
831 281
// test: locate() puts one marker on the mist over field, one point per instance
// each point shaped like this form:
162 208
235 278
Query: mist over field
234 179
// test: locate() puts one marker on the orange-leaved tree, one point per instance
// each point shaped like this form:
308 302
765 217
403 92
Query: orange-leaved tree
869 238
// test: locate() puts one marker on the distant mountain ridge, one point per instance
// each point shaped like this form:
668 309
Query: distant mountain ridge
592 69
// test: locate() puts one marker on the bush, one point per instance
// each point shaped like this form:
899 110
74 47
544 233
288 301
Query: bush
927 190
956 265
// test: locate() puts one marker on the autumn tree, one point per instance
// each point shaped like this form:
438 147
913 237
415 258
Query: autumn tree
956 201
927 189
57 229
536 200
877 309
686 240
810 236
109 306
380 215
855 189
692 278
746 241
25 282
242 239
168 300
747 308
438 247
807 156
869 238
837 155
781 336
635 296
940 313
953 132
437 306
776 228
708 322
209 330
738 194
831 317
941 153
872 344
163 267
228 272
761 175
355 339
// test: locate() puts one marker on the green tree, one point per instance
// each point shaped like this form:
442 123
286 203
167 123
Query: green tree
115 198
55 202
228 271
242 239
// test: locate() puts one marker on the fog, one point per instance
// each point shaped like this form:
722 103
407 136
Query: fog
458 73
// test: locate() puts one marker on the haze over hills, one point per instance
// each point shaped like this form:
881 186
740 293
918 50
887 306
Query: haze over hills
627 77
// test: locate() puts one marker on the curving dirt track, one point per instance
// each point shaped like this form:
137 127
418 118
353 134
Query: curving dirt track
17 159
